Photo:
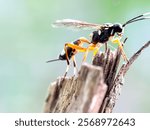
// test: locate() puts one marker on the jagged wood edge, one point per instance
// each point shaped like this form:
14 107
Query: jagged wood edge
118 82
111 74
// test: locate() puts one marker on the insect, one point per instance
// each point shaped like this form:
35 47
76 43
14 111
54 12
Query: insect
102 34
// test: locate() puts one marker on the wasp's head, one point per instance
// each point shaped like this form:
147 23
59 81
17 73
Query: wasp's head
118 29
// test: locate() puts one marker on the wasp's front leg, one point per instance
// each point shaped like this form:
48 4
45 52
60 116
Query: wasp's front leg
117 40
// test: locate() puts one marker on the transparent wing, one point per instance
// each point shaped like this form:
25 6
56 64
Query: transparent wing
76 24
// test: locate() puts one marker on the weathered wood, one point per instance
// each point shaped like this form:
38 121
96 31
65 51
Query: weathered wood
112 96
84 93
96 89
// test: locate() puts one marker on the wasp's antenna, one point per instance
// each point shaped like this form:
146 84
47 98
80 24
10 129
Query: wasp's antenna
125 39
132 19
52 60
137 18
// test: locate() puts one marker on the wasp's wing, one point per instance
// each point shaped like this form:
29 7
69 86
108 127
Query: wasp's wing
76 24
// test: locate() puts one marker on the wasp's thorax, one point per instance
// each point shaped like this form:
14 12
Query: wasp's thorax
103 35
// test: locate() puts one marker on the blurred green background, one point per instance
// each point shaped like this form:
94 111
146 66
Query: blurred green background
27 41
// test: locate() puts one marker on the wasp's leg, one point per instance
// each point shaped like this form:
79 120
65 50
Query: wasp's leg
95 52
75 66
76 47
84 40
86 50
85 55
68 65
89 48
106 47
67 59
73 46
124 41
96 49
117 40
78 44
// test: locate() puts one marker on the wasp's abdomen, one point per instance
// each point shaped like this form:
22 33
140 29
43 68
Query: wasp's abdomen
70 53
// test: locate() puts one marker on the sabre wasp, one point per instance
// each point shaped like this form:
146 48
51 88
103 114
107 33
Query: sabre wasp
102 34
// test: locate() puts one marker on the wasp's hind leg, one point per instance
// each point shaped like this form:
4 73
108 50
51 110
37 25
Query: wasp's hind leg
71 55
67 60
75 66
77 47
68 65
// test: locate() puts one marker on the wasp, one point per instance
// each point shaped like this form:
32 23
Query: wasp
101 35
